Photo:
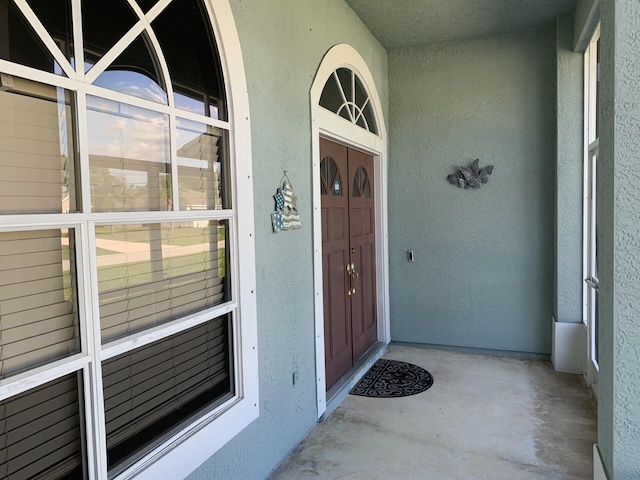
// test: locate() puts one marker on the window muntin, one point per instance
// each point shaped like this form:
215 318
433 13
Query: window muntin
345 95
135 72
103 24
92 356
20 44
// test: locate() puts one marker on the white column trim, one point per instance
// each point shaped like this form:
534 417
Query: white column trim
327 124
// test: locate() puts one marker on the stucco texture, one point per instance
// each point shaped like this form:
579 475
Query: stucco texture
619 237
283 43
483 270
570 126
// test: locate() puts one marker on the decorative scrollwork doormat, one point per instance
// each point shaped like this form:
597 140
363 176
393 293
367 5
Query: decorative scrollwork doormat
391 379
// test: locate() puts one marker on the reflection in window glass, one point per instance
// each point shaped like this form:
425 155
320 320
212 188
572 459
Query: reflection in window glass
151 274
20 44
201 165
128 157
331 97
190 50
55 15
135 73
104 23
37 149
38 299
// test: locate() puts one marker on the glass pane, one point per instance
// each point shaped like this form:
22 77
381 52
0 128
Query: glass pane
345 76
371 118
37 149
153 391
129 157
360 94
55 15
331 98
40 431
20 44
337 186
146 5
202 166
134 72
344 112
191 53
38 299
324 173
103 24
360 120
151 274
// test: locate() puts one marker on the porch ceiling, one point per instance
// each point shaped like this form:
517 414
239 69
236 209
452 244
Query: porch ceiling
404 23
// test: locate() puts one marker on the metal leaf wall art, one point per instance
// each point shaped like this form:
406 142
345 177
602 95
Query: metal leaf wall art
471 177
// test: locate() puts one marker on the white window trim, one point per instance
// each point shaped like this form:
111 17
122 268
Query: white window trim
591 150
329 125
181 454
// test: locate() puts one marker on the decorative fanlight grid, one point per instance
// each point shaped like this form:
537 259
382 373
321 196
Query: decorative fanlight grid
345 95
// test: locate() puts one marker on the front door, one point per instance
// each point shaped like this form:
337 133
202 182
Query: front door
348 256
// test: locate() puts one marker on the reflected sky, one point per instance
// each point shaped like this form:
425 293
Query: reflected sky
132 83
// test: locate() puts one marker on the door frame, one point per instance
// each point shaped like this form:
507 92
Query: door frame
329 125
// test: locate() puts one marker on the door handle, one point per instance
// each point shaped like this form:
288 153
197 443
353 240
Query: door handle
592 282
352 271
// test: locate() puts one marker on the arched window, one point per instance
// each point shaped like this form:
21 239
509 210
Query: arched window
119 310
345 95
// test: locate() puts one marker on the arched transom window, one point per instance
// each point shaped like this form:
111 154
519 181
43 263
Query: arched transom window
345 95
119 315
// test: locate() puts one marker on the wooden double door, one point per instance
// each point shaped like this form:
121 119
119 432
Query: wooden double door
348 256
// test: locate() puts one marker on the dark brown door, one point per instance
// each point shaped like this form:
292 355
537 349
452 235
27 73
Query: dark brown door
348 256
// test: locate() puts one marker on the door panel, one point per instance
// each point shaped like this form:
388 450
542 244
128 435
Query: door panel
348 237
335 254
362 241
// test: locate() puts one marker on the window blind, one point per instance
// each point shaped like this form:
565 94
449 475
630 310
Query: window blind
155 388
200 166
40 432
38 306
156 273
36 150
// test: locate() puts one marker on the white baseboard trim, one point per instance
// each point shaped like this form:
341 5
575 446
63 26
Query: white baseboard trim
598 468
568 347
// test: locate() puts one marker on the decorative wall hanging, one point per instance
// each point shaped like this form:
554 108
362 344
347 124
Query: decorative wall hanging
286 216
471 177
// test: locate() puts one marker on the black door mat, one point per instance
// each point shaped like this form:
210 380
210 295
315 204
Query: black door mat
391 379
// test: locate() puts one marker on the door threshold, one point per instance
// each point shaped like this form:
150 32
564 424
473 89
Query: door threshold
339 390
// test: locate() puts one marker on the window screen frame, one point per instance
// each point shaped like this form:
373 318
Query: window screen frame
185 450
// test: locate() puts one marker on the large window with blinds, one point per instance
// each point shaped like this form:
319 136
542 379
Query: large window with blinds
127 317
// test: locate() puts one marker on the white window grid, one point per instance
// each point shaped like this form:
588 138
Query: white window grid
93 352
591 153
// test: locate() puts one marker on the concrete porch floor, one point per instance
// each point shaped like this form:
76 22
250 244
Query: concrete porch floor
485 417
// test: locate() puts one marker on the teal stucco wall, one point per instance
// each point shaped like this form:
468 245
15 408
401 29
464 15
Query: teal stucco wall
569 179
618 219
483 273
586 17
283 43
